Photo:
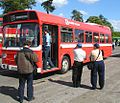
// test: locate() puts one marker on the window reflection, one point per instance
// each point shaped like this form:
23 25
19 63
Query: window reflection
15 35
79 36
88 37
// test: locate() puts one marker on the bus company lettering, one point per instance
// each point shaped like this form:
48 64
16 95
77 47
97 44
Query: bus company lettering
67 22
20 17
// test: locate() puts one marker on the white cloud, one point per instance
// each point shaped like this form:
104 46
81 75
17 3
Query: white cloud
115 24
89 1
57 3
40 1
83 12
61 14
60 3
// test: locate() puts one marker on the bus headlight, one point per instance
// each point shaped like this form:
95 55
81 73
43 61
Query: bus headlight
4 55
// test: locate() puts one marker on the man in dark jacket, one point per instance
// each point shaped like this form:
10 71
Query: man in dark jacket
24 59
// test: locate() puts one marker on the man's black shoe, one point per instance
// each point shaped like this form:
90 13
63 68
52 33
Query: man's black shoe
75 85
93 88
20 101
101 88
31 99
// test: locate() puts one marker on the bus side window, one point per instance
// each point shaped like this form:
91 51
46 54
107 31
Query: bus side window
66 34
96 37
79 35
107 38
88 37
102 40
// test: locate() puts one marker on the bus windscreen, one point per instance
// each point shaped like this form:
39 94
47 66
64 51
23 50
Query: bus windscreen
16 34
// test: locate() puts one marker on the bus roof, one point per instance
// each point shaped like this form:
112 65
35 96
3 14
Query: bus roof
56 20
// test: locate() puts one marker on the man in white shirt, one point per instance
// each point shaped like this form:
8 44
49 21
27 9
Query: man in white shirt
79 56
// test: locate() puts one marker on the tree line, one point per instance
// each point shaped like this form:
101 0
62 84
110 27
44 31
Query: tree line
13 5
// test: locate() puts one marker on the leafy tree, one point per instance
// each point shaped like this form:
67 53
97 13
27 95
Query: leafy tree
12 5
95 19
116 34
77 15
102 17
47 5
106 22
100 20
1 15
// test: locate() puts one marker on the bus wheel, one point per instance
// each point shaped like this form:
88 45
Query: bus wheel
65 65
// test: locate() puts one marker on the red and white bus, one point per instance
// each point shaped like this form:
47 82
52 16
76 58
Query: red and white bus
1 36
19 26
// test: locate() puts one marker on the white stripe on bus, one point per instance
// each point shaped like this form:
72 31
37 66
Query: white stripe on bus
83 45
18 48
61 45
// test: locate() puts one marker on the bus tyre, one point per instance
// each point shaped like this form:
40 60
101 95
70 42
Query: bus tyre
65 65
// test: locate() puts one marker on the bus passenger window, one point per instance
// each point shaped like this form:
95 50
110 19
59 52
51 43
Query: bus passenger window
66 35
88 37
79 35
102 40
96 37
107 38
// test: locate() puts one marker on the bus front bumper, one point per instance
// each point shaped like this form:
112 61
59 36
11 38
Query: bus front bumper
9 67
14 68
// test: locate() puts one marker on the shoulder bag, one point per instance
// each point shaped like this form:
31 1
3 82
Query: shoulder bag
33 64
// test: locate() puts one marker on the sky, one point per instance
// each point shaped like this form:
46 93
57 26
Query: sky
108 8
